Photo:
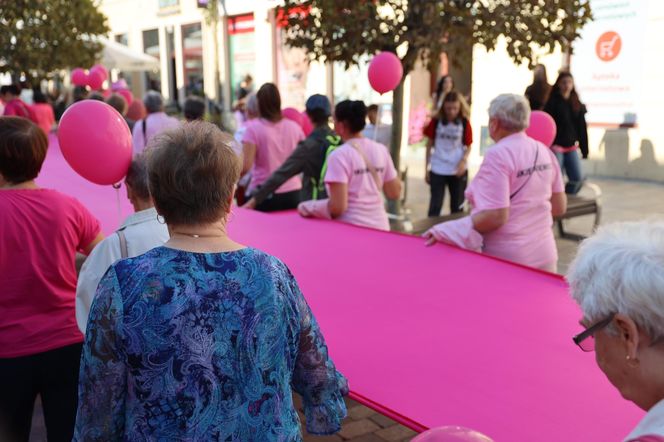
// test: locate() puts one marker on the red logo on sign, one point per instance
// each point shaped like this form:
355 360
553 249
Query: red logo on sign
608 46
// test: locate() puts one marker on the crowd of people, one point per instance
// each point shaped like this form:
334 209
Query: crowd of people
172 330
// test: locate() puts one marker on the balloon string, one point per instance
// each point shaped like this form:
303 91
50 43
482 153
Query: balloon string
377 125
117 195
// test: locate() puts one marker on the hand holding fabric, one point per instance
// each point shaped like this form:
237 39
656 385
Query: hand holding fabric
459 232
315 209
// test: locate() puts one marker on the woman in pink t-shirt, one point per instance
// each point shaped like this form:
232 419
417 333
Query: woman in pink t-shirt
40 232
516 193
43 112
358 173
267 142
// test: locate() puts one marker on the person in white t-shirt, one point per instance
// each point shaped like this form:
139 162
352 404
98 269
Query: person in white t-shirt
375 130
139 233
450 136
358 173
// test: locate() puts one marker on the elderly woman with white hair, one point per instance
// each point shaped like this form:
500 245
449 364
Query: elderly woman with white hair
153 124
514 196
617 279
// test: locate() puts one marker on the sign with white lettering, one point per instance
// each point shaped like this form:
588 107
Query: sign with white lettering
608 61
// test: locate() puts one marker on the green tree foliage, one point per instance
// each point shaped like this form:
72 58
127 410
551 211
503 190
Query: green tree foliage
39 37
346 30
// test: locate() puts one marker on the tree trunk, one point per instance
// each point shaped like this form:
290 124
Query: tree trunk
394 206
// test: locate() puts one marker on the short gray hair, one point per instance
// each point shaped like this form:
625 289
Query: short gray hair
513 111
620 269
252 105
153 102
137 177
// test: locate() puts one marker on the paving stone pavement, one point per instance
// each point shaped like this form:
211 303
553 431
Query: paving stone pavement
621 201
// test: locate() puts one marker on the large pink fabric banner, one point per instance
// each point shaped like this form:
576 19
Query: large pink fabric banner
430 336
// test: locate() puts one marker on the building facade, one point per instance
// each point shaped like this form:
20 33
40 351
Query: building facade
621 90
247 41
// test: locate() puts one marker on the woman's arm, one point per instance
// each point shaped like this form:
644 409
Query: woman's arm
87 249
103 375
248 156
489 220
338 199
462 167
582 130
392 189
315 377
427 163
558 204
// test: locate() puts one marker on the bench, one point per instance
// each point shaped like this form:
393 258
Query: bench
580 206
576 206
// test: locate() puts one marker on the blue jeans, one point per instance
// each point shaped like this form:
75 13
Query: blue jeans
570 163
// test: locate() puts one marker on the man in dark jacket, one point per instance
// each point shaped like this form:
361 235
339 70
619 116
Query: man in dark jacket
309 157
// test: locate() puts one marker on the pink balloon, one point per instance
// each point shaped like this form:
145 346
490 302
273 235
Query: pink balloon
106 93
292 114
101 69
385 72
96 142
127 95
542 127
79 77
95 80
451 434
307 126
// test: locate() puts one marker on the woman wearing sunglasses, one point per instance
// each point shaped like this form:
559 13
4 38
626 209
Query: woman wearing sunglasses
617 279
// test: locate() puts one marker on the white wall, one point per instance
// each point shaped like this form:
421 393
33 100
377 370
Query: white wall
495 73
636 152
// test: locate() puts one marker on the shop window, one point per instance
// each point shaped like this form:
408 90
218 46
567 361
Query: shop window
151 47
192 57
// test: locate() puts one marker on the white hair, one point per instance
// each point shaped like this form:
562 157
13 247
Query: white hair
620 269
513 111
252 105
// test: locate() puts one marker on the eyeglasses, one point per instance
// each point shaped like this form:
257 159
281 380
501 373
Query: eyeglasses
586 339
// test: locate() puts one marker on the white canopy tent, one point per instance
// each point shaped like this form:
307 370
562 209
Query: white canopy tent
120 57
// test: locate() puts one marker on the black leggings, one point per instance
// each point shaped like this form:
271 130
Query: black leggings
457 186
53 375
280 201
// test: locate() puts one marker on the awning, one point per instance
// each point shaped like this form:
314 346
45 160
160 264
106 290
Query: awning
121 57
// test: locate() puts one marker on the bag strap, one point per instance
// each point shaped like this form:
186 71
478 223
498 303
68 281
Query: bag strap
123 244
144 129
372 169
530 175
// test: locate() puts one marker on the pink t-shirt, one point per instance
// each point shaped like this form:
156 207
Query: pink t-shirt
155 124
40 231
44 117
274 143
366 206
18 108
511 178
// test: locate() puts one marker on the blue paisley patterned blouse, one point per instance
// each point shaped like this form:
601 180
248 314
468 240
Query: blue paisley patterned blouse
184 346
